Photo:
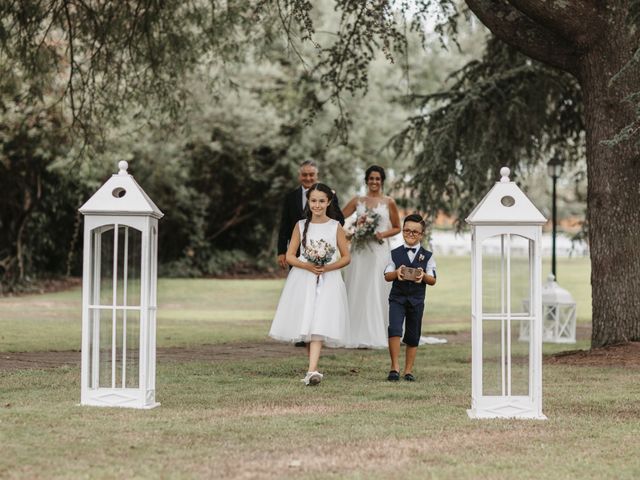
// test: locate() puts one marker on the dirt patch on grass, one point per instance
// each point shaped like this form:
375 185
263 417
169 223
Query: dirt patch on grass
625 355
204 353
198 353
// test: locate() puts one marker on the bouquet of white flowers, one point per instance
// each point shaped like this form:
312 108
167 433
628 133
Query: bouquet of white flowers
319 252
363 229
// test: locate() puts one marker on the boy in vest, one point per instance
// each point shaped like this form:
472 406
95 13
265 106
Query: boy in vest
406 300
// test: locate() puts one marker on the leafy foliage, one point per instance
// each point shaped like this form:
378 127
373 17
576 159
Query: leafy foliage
364 28
459 136
35 221
108 56
219 166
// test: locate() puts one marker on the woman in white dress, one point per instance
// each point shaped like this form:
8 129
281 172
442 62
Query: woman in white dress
313 306
367 290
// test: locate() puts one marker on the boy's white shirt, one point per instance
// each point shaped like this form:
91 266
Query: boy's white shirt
431 263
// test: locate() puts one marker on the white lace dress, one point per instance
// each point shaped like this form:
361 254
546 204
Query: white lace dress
367 290
309 309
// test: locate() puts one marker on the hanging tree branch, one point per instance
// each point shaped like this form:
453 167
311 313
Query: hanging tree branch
533 39
581 27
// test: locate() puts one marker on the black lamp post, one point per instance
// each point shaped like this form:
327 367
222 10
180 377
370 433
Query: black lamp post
554 166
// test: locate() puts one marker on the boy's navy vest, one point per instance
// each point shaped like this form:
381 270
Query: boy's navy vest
409 291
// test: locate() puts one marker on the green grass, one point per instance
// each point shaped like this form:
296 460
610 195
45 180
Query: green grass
254 419
191 312
204 311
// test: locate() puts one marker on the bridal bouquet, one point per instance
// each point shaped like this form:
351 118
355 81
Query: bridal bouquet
318 252
363 230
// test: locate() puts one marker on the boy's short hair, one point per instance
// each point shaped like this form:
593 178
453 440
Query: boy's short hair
414 217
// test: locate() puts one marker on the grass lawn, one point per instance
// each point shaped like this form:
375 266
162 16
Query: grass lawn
204 311
253 418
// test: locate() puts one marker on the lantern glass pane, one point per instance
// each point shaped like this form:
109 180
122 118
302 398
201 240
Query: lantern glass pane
492 360
492 276
520 275
505 360
119 342
153 263
519 360
94 346
129 248
132 352
103 287
106 337
567 323
94 274
550 316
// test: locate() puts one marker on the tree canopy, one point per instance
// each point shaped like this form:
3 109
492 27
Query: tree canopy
218 165
557 76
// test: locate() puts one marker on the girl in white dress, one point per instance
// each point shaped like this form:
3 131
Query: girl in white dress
367 291
313 306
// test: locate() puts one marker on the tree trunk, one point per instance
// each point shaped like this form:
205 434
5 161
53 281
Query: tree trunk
613 191
594 41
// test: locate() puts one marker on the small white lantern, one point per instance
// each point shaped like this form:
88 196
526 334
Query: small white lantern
506 235
119 295
558 315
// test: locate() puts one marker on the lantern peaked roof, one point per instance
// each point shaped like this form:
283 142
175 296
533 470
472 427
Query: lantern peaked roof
554 293
505 204
121 195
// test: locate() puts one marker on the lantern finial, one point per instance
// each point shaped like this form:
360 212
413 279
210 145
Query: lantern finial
123 165
504 171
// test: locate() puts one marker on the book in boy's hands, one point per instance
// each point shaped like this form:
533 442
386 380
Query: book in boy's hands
410 273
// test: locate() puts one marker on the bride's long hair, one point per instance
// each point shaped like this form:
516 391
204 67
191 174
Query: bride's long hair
332 209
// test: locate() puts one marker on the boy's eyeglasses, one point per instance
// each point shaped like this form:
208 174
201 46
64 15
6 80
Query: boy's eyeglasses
413 233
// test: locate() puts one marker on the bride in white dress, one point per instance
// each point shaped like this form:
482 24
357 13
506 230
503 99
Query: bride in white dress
367 290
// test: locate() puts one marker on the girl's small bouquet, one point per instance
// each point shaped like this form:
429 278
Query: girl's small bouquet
363 229
319 252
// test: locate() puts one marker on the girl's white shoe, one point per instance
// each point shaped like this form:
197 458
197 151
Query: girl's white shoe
312 378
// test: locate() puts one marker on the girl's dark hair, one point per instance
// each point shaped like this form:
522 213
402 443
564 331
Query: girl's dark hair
414 217
332 209
374 168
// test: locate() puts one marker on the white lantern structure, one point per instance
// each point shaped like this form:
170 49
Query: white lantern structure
506 237
119 295
558 314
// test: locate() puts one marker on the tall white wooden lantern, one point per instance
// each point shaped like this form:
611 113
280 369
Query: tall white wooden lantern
119 295
558 314
506 234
